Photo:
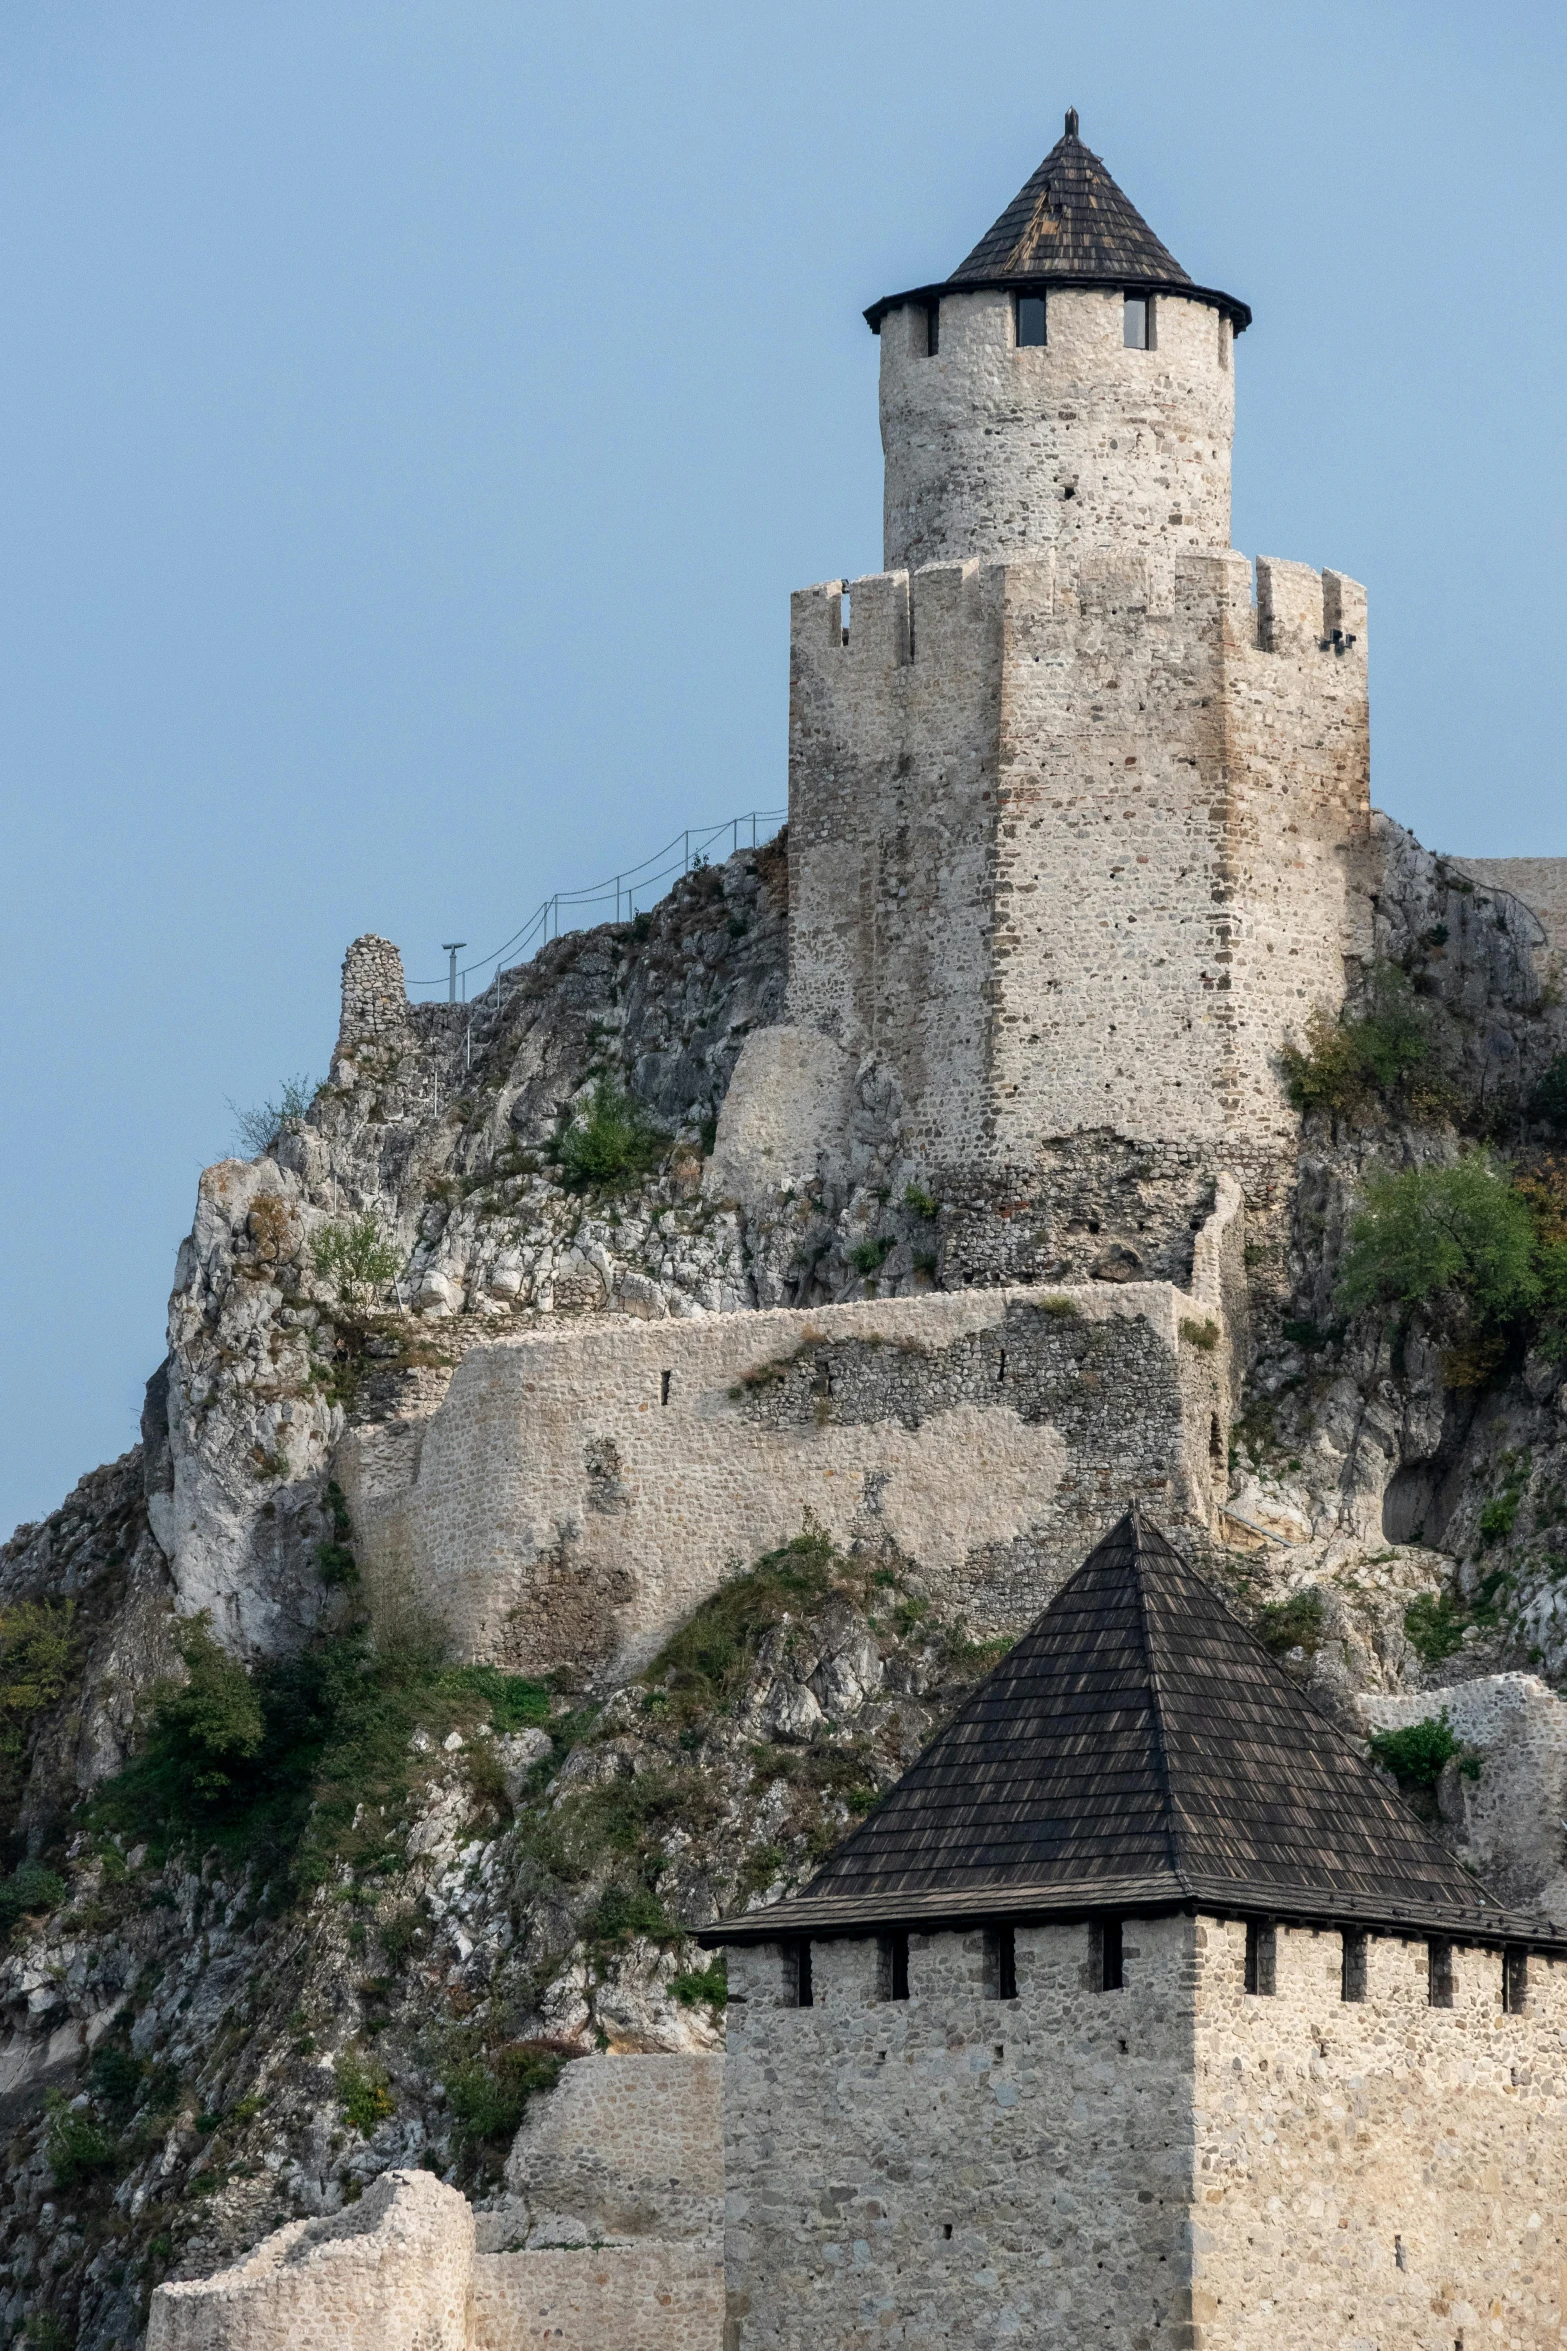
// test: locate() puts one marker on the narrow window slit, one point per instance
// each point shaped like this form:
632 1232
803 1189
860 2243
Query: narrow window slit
1261 1947
1001 1962
1515 1980
1439 1972
895 1965
1031 322
1352 1969
664 1379
1106 1961
799 1973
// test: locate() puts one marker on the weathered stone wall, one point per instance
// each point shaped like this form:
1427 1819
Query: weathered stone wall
1380 2171
1539 882
624 2147
992 450
647 2297
391 2273
953 2167
1076 844
576 1496
1176 2161
1507 1814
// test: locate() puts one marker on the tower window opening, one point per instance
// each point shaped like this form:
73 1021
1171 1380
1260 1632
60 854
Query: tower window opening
1261 1951
1137 330
932 329
1106 1966
843 611
1031 322
664 1379
894 1955
797 1976
1001 1962
1352 1968
1439 1972
1515 1980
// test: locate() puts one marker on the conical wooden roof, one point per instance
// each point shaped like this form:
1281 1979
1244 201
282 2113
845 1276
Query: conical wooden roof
1069 220
1139 1749
1069 225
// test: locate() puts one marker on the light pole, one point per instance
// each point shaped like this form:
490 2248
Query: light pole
450 949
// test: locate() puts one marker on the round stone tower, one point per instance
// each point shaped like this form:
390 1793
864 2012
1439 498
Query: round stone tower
1068 386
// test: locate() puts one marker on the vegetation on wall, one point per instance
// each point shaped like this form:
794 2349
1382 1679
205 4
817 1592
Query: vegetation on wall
1385 1057
1418 1754
610 1144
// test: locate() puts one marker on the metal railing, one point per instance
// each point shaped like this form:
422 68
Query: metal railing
682 855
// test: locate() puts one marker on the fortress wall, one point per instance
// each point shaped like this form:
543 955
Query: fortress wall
960 2168
1377 2172
1541 883
390 2273
996 451
643 2297
1077 843
624 2147
577 1495
1178 2161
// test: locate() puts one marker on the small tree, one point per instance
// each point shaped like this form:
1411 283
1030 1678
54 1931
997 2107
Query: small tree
257 1129
356 1258
1459 1233
609 1144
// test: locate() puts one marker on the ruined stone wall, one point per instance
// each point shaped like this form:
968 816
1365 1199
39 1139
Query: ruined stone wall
576 1496
1075 848
953 2167
624 2147
1379 2171
391 2273
992 450
1540 882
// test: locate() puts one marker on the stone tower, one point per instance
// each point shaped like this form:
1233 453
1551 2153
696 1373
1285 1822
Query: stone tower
1141 2012
1075 798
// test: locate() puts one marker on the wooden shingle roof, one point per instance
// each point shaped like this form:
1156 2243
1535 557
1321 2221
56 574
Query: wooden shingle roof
1138 1749
1070 225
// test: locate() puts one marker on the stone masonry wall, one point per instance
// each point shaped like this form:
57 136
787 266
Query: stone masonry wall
1377 2172
954 2168
1075 850
624 2147
1177 2162
647 2297
992 450
391 2273
576 1496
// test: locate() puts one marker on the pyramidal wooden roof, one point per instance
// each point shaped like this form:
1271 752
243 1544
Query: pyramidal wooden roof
1138 1749
1070 225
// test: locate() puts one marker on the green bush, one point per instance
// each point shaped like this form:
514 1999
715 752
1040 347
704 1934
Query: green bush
702 1668
1417 1754
38 1660
870 1256
627 1914
611 1144
1435 1625
259 1128
356 1258
695 1987
488 2096
1295 1623
31 1891
212 1727
922 1202
1548 1103
362 2093
78 2150
1459 1232
1499 1516
1382 1054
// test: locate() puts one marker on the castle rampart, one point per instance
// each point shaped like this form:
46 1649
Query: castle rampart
1074 843
579 1493
1175 2160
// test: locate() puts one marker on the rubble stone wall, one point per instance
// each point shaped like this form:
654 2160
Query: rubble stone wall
576 1496
1178 2160
1379 2171
643 2297
992 449
1077 842
624 2147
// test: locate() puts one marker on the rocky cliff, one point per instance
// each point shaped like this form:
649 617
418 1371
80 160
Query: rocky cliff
292 1898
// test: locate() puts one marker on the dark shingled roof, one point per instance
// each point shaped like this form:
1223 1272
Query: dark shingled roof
1070 225
1137 1750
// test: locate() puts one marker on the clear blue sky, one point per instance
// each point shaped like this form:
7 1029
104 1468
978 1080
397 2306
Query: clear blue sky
415 417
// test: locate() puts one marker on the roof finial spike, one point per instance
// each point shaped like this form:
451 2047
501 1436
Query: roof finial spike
1071 122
